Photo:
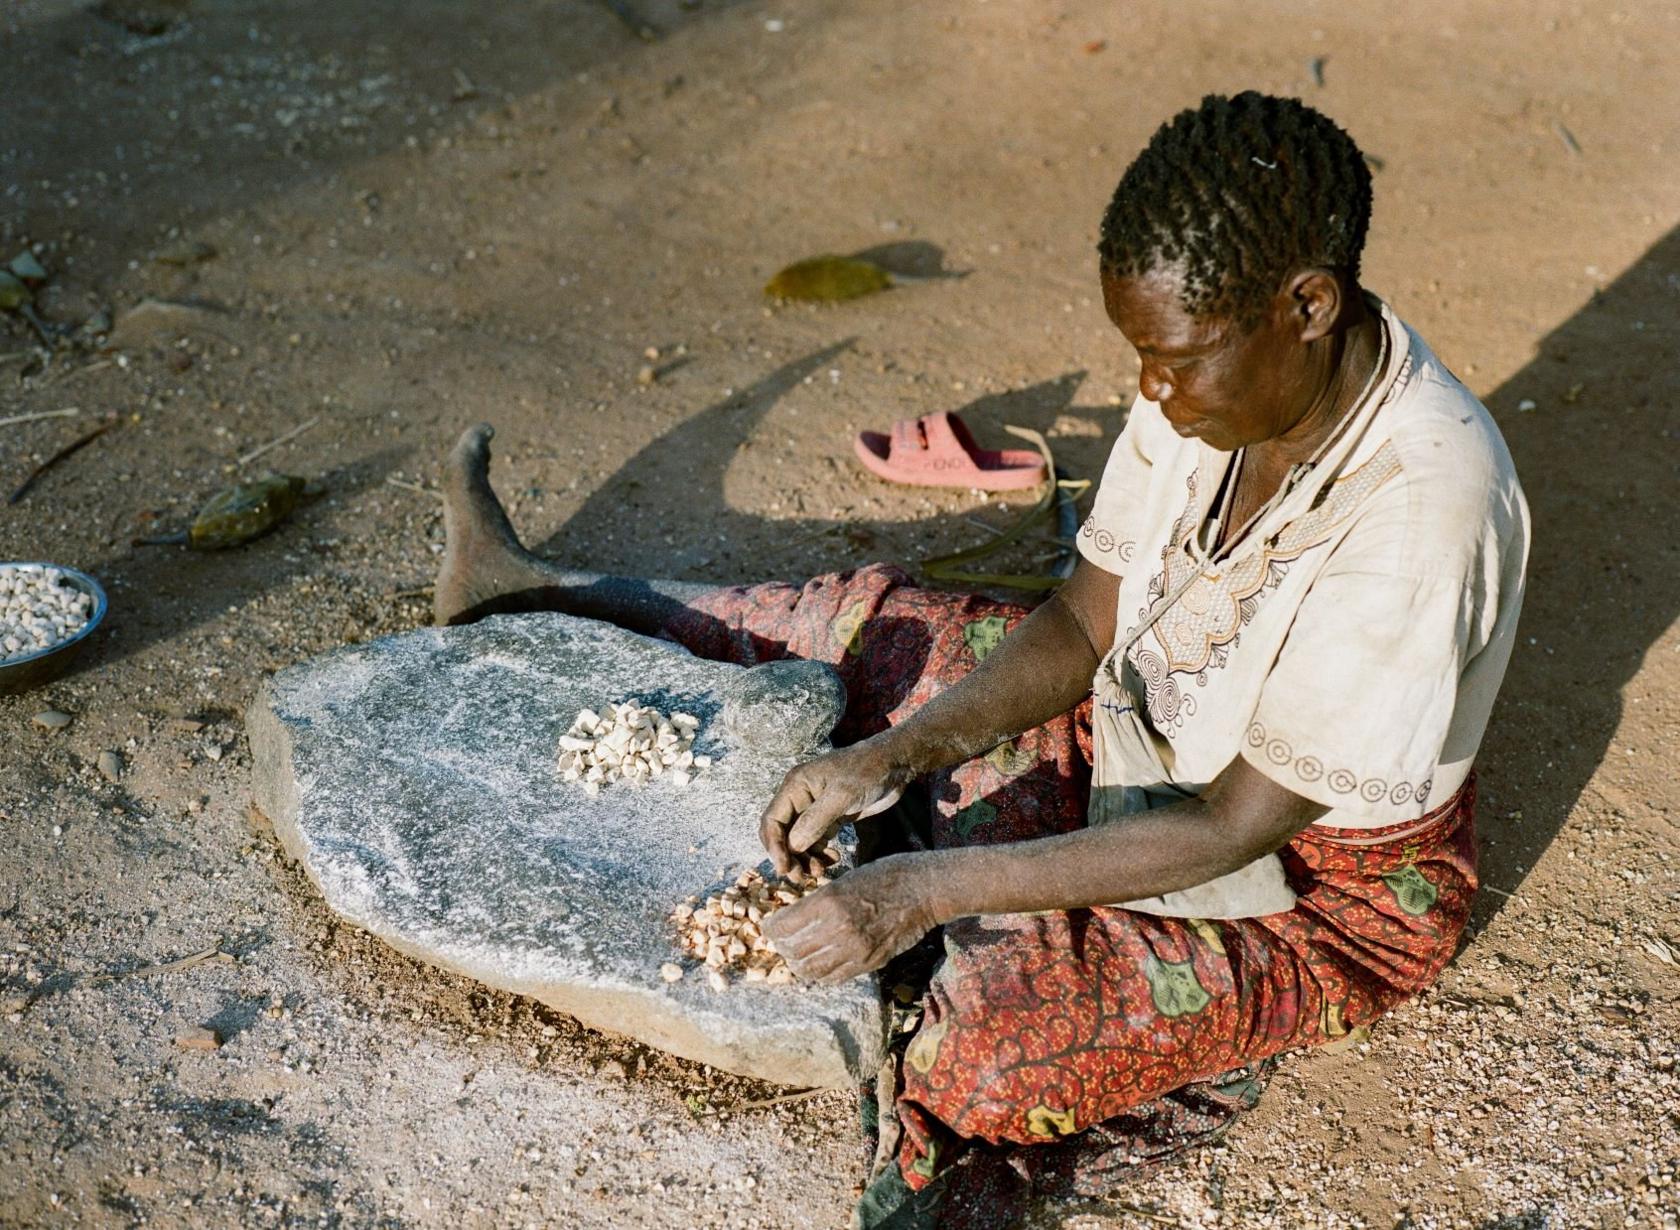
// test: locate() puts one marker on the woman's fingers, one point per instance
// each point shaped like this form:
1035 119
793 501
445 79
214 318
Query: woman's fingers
792 799
784 926
820 819
811 938
814 798
855 925
820 939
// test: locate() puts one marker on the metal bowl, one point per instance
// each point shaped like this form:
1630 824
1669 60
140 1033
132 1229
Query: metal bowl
31 671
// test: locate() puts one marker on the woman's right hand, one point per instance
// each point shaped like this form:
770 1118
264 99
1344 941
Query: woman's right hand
817 797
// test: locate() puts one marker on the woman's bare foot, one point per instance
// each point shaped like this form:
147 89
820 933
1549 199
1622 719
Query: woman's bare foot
486 571
482 556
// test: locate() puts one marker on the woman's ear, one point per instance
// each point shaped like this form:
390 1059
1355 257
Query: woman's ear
1315 299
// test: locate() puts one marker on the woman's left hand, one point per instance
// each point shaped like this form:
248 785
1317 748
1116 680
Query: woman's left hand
856 924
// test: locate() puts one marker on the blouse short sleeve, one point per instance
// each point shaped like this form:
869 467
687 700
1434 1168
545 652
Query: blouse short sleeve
1357 708
1110 535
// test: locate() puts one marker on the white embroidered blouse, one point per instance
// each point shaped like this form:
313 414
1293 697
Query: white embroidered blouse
1351 646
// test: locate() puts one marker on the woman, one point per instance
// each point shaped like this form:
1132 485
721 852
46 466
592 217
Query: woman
1298 593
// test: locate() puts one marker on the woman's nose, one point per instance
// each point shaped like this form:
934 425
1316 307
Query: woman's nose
1152 386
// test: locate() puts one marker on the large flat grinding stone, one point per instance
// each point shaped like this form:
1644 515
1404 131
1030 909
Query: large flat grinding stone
413 777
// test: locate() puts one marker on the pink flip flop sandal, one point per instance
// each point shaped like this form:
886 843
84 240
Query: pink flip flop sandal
937 450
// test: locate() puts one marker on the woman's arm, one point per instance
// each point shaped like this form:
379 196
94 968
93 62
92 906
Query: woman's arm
879 910
1040 670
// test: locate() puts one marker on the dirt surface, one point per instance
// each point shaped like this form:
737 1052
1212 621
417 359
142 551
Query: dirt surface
380 221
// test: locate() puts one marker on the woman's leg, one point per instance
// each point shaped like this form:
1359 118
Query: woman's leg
1040 1026
486 570
895 646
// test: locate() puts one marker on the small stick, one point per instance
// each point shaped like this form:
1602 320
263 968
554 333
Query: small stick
41 414
779 1101
415 487
73 447
293 434
419 592
813 534
164 967
25 1002
86 367
1567 137
979 524
18 354
1145 1213
36 323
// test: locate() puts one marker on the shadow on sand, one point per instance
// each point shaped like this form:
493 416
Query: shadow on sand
1597 455
238 103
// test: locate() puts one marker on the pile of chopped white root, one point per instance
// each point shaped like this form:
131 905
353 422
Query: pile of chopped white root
726 935
632 743
39 608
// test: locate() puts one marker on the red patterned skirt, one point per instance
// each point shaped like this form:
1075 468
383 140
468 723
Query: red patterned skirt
1120 1027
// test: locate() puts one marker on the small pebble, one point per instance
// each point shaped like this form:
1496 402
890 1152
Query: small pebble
52 719
198 1040
646 374
110 766
614 1069
671 972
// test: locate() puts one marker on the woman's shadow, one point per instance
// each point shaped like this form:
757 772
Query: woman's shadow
1592 421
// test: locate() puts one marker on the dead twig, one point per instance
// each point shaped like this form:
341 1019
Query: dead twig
1158 1218
813 535
75 446
61 983
419 591
293 434
71 372
414 487
41 414
781 1100
36 323
213 953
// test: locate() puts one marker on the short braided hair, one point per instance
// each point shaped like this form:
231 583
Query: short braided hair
1238 194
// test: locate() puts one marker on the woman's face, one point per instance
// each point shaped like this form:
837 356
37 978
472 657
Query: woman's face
1224 384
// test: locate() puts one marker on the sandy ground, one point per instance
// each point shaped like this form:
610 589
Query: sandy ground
425 213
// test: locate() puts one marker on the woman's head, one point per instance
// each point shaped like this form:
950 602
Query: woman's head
1230 253
1237 195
